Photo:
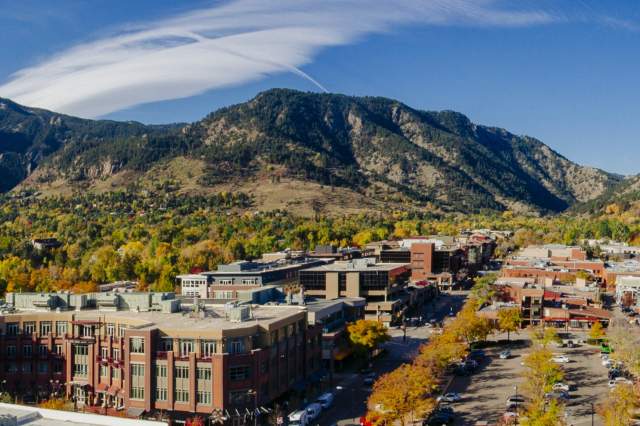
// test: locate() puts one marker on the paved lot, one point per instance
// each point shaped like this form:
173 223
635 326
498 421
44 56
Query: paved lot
485 392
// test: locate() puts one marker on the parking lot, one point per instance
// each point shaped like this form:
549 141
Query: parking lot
485 392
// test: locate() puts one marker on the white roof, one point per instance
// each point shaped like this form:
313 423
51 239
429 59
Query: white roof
33 416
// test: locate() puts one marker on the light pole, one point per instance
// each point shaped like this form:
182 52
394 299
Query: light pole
254 393
592 412
516 388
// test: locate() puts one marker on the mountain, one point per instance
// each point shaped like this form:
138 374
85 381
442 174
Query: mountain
290 146
623 197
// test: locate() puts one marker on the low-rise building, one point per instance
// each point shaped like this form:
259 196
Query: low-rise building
229 279
380 284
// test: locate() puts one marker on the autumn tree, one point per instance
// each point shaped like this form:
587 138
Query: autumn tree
367 335
596 332
544 336
619 407
405 392
509 320
469 325
540 374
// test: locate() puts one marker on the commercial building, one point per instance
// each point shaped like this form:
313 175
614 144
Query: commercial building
628 290
228 280
552 263
143 354
381 284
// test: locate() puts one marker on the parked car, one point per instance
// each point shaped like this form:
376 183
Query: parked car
476 354
561 359
607 363
313 410
614 372
505 354
449 397
561 387
515 401
613 383
561 395
325 400
299 418
444 415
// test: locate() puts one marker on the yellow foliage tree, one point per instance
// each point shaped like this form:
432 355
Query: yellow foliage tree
367 335
509 320
404 393
619 407
597 331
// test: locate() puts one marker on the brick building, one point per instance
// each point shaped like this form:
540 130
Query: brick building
157 359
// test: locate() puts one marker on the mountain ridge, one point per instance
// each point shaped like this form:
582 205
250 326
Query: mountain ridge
376 147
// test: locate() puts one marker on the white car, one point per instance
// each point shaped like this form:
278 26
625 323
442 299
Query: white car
607 363
618 380
449 397
561 387
561 359
325 400
313 410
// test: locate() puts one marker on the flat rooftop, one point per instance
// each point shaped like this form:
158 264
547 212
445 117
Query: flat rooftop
210 318
357 267
32 416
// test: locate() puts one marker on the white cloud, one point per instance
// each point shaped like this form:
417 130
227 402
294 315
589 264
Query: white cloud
225 45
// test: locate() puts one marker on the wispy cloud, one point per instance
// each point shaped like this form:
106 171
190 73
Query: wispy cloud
227 44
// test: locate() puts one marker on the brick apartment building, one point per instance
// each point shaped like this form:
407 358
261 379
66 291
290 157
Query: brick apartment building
155 358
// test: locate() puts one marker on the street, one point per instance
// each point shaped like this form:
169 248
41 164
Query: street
352 394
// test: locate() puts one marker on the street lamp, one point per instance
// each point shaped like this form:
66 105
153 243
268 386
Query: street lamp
516 388
254 393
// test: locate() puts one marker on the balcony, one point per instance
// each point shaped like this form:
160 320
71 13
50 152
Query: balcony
161 354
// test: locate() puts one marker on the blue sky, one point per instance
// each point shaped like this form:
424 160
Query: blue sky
563 72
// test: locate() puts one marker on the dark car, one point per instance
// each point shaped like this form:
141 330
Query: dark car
442 416
614 372
476 354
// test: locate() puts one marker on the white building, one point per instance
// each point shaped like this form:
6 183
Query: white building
627 285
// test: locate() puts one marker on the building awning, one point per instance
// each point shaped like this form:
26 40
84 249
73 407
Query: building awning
113 390
102 387
134 412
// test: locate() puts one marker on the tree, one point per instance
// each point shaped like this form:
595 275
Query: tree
597 331
406 391
541 373
619 407
509 320
469 325
551 414
483 288
53 404
544 336
367 335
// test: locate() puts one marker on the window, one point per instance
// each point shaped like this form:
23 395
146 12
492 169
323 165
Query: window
86 331
116 354
182 372
104 371
111 329
61 328
137 381
238 397
203 373
239 373
104 353
182 395
136 345
161 394
249 281
43 350
115 374
81 350
12 329
226 282
204 397
236 346
121 329
186 347
45 328
57 367
29 327
207 348
26 367
43 368
27 351
224 295
11 351
166 344
80 370
59 350
161 370
11 367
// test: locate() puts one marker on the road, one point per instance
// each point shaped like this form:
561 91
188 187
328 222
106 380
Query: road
351 393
